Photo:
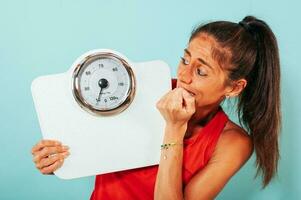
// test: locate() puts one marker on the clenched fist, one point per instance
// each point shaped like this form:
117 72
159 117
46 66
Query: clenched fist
177 107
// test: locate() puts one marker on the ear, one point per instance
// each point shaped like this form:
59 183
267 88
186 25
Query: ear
237 87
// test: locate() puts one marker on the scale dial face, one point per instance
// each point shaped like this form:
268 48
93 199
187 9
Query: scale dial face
103 83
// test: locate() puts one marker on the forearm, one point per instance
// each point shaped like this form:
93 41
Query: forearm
169 177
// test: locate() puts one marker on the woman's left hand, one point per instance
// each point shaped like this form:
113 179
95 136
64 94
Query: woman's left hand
177 107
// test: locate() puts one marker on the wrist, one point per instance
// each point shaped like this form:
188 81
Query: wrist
176 126
175 132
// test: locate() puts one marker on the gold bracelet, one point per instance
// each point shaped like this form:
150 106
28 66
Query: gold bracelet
167 145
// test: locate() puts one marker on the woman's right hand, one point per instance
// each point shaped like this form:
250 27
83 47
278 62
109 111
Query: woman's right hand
49 155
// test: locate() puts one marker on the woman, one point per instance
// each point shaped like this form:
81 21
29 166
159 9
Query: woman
202 148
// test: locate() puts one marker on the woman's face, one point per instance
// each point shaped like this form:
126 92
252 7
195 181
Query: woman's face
200 74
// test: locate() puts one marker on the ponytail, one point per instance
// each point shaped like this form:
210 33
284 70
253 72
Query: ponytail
259 103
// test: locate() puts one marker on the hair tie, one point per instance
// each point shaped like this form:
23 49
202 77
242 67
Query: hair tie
246 26
250 30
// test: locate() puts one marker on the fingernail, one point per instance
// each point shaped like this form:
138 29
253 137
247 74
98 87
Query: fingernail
65 147
58 143
66 154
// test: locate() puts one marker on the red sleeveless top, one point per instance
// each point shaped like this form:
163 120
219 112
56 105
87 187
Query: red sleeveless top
140 183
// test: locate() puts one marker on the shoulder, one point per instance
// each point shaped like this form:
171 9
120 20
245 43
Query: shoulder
234 143
234 147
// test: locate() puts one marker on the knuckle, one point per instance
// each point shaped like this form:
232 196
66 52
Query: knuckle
44 171
61 156
43 161
159 106
36 158
38 166
60 148
171 106
44 151
50 161
53 158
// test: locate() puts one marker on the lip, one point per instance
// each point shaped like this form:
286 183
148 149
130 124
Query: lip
192 93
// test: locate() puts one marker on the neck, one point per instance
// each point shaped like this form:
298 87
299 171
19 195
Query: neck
199 119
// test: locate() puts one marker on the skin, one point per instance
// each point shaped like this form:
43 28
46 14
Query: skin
186 109
49 155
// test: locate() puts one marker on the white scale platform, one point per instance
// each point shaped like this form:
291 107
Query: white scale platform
103 144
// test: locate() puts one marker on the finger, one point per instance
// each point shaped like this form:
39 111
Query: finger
46 151
189 101
44 143
44 162
51 159
162 102
166 96
53 167
178 97
173 100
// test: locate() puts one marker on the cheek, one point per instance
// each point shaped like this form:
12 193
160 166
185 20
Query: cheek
210 94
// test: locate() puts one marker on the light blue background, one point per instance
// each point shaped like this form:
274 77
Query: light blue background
45 37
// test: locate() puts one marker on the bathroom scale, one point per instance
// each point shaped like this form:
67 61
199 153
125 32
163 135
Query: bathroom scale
104 108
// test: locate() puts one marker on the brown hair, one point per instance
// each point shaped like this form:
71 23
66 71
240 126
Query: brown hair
249 50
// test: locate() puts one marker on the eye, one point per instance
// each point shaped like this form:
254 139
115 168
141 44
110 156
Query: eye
184 61
201 72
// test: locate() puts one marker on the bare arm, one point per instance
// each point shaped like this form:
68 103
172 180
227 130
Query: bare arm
233 149
169 177
176 107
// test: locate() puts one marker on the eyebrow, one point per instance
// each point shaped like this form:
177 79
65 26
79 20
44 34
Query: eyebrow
200 59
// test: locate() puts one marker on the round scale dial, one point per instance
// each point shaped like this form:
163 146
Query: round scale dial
103 83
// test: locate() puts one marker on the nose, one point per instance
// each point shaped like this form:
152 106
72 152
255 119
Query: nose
185 74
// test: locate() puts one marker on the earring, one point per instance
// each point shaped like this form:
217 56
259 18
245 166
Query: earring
227 96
